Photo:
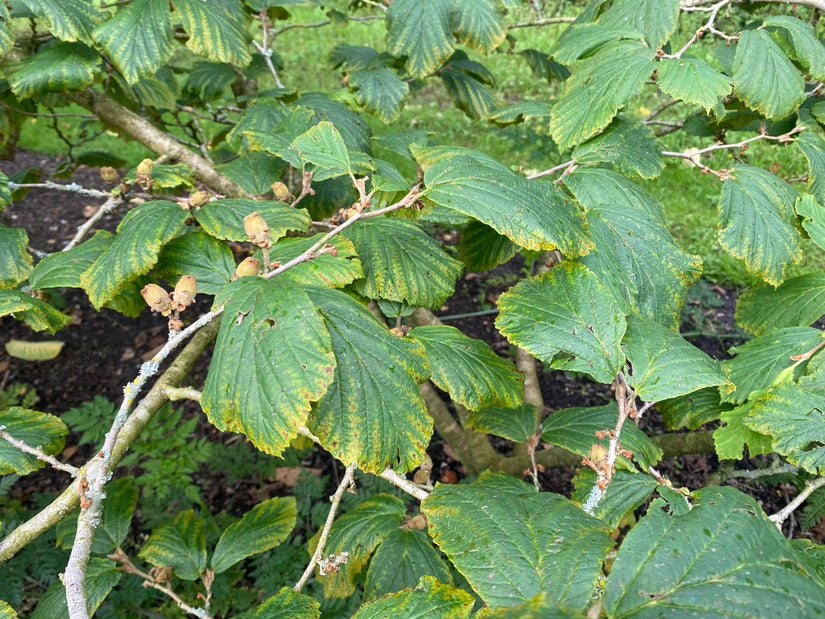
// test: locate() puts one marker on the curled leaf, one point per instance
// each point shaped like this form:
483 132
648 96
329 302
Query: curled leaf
34 351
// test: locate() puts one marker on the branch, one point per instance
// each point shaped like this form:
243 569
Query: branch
701 5
148 581
545 21
51 115
109 111
779 517
318 556
69 499
111 204
405 484
71 187
97 473
38 453
553 170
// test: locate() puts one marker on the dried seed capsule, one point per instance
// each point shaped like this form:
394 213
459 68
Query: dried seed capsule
257 230
157 299
109 174
249 266
145 167
280 190
199 198
184 294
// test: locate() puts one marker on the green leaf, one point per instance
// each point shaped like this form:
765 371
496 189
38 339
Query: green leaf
249 388
756 222
800 301
180 544
540 607
354 130
358 532
469 94
118 509
807 48
654 19
254 172
534 215
665 365
213 32
224 218
764 78
813 215
277 140
140 236
401 262
636 257
758 361
286 604
565 310
514 424
813 147
519 112
101 577
6 611
481 248
68 20
477 24
262 528
420 30
138 39
348 58
468 369
575 429
626 492
36 430
323 147
629 146
598 87
730 438
524 542
380 91
5 194
63 67
793 416
160 91
401 560
429 599
38 315
208 80
582 39
197 254
15 260
373 414
723 558
324 270
693 81
692 410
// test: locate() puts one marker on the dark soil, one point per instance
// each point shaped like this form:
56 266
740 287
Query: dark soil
103 350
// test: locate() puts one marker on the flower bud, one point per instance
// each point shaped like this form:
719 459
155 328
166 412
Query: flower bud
184 294
145 168
257 230
109 174
199 198
249 266
280 191
157 299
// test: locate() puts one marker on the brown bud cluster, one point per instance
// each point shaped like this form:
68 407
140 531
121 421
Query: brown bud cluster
257 230
280 191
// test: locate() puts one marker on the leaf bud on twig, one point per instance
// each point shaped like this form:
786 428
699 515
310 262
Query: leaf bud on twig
184 294
249 266
109 174
257 230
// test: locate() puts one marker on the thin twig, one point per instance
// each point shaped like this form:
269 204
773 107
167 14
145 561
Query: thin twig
38 453
714 11
363 19
545 21
553 170
779 517
182 393
148 581
318 555
71 187
111 204
52 115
